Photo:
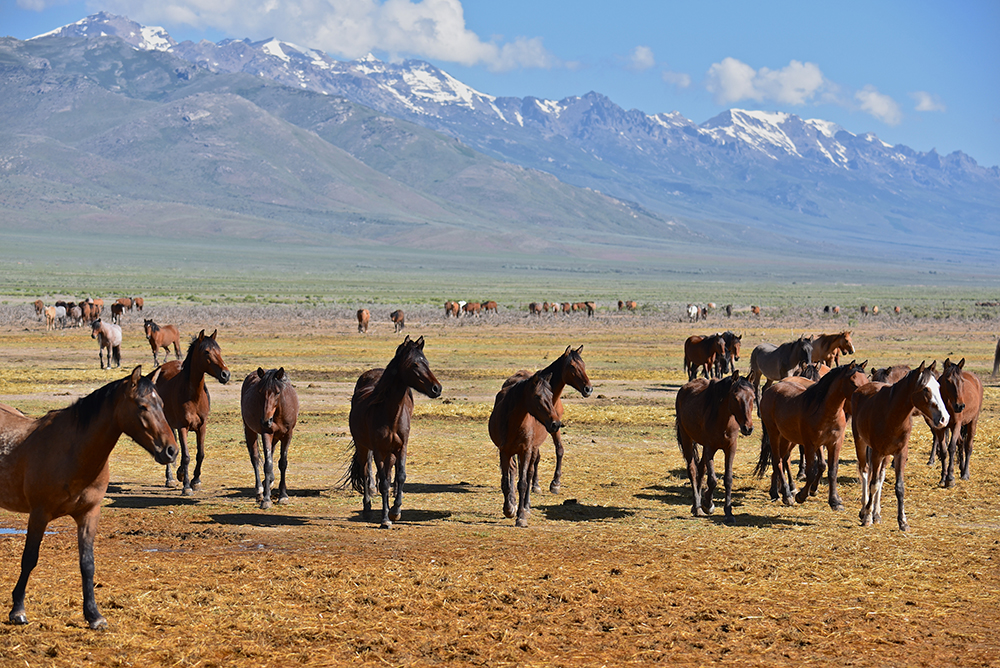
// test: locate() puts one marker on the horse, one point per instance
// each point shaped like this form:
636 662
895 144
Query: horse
812 371
125 302
490 306
270 407
109 337
882 422
451 308
472 308
57 465
162 337
364 317
523 413
591 307
631 305
693 312
621 305
725 363
755 310
962 393
39 308
996 360
712 413
117 309
138 303
827 347
50 318
75 315
567 369
567 308
398 321
701 352
534 308
381 408
187 404
777 362
890 375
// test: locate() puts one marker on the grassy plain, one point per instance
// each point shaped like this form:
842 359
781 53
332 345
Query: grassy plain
614 570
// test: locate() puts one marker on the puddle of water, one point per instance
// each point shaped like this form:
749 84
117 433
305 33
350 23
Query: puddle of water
6 531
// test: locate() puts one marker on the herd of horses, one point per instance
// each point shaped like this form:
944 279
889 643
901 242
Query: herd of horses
75 314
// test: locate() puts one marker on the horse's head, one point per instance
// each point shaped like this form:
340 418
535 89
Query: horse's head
148 326
741 402
139 411
540 402
805 350
952 382
855 375
575 371
927 395
205 355
733 346
270 385
845 344
414 368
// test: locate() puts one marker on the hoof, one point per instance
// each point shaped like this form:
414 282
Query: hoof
196 484
536 489
729 520
187 491
698 512
283 500
264 505
508 512
554 488
788 501
170 483
836 506
386 524
904 527
18 618
99 624
866 521
521 522
709 509
394 515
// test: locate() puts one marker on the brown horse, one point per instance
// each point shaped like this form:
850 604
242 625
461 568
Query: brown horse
890 374
186 402
962 393
795 412
109 337
364 317
125 302
57 465
882 422
162 337
270 407
138 303
452 308
490 306
39 308
398 319
381 408
827 347
116 313
523 412
712 413
726 363
567 369
701 352
472 308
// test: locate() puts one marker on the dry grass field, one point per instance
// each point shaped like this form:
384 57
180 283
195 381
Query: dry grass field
614 570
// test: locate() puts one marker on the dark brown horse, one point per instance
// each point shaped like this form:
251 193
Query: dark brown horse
881 424
567 369
712 413
162 337
890 374
57 465
700 352
827 347
398 319
726 363
116 313
186 402
270 407
364 317
381 408
777 362
798 412
962 393
523 413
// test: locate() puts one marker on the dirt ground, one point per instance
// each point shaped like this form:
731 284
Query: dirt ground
613 570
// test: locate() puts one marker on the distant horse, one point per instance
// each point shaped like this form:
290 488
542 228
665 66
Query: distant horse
996 360
452 308
99 303
591 307
890 375
187 404
621 305
117 309
864 309
534 308
57 465
109 337
712 413
874 310
777 362
89 311
270 407
523 412
490 306
729 310
472 308
726 363
50 318
693 312
138 303
364 317
882 422
125 302
381 409
811 415
398 319
567 369
162 337
631 305
701 352
567 308
962 393
827 347
75 314
39 308
755 310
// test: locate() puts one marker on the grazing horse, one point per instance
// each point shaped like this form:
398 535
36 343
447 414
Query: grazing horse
270 407
962 393
827 347
693 312
187 404
490 306
138 303
881 424
125 302
39 308
713 413
398 319
567 369
534 308
631 305
381 408
57 465
725 363
109 337
778 362
523 412
472 308
117 310
701 352
809 414
364 317
162 337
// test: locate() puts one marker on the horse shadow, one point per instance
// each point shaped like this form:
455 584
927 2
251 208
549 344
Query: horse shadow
143 502
259 520
441 488
251 492
571 511
409 516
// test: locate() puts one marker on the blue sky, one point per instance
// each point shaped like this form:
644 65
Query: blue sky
924 74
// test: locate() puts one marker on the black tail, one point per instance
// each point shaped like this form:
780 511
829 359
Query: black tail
356 474
116 351
765 452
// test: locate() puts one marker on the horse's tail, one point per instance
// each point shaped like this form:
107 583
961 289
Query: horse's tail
765 452
356 475
687 364
116 351
680 444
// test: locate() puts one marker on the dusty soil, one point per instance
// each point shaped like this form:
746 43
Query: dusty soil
614 570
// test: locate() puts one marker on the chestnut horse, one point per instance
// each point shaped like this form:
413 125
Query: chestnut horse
890 375
398 319
882 422
523 412
270 407
713 413
962 393
109 337
162 337
701 352
57 465
364 317
800 412
186 402
567 369
777 362
827 347
381 408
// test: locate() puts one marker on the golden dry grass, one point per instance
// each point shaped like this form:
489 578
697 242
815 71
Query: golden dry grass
612 571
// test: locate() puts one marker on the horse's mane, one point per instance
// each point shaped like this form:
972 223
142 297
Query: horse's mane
387 379
816 394
193 346
85 409
153 327
271 383
559 363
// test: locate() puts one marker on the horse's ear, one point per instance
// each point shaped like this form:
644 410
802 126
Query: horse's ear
136 375
153 377
579 350
736 374
280 373
420 343
933 366
961 364
260 372
213 334
201 335
739 338
406 339
863 365
568 348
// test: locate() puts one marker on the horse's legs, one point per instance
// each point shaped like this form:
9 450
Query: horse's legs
965 451
383 464
690 452
730 454
182 468
524 462
251 438
370 483
156 357
948 463
812 474
864 474
936 445
879 481
711 481
37 521
507 484
781 469
900 466
397 506
556 483
267 448
282 466
801 473
833 463
86 529
200 438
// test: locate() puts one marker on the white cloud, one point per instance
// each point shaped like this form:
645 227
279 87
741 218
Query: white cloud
878 105
676 79
797 83
641 58
348 28
927 102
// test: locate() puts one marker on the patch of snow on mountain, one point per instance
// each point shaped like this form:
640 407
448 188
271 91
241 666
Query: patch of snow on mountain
551 107
154 38
825 128
273 48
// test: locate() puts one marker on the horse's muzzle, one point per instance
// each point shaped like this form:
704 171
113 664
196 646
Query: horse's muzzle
166 455
746 431
959 408
224 376
553 426
587 391
435 391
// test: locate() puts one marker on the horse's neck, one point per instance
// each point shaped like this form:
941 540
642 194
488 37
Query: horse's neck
91 445
900 408
557 370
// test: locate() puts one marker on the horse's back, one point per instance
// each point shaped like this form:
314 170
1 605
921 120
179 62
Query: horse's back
366 383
